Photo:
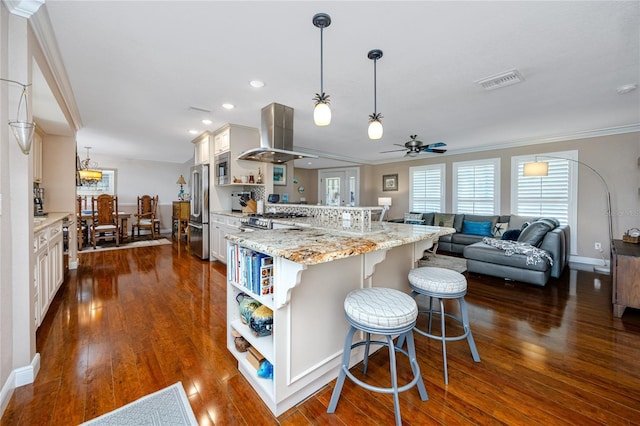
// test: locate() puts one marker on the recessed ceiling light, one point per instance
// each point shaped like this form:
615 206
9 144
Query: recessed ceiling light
228 106
193 132
206 121
626 88
256 83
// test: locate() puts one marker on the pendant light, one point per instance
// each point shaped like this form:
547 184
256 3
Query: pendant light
22 130
375 125
88 172
321 112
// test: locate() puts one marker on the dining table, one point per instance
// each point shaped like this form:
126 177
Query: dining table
123 217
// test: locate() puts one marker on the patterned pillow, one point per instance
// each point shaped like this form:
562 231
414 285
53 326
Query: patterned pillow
500 228
445 220
413 218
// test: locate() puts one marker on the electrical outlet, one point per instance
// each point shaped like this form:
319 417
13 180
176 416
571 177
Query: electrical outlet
597 246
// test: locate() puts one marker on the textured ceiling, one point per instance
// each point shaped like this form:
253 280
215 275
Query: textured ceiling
136 68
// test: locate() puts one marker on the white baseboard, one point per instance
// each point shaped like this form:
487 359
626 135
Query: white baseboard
588 263
18 377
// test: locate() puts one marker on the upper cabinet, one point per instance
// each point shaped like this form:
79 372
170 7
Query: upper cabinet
221 140
234 139
202 146
36 156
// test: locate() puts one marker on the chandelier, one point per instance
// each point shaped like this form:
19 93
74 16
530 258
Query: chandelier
88 170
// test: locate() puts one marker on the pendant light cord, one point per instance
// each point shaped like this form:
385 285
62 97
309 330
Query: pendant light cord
375 85
321 61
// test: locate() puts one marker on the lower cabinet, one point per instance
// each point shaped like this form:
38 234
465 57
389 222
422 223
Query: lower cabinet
221 225
48 272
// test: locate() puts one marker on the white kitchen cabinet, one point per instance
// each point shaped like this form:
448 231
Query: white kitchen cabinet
236 139
36 156
48 273
221 141
221 225
202 145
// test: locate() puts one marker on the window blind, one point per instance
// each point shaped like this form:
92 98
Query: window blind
475 187
427 188
546 195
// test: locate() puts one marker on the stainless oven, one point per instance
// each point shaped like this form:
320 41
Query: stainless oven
223 168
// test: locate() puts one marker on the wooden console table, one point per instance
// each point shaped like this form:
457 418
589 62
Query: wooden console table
626 276
180 219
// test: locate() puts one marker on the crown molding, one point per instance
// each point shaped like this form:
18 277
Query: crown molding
24 8
43 32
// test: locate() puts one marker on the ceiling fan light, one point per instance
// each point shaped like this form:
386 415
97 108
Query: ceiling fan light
375 129
322 114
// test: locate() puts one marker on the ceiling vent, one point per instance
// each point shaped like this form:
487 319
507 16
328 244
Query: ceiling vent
502 79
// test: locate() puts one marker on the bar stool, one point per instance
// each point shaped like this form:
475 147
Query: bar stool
386 312
443 284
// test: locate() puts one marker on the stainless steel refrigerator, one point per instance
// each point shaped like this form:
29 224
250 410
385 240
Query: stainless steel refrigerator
199 217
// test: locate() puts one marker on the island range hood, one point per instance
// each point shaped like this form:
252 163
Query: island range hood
276 137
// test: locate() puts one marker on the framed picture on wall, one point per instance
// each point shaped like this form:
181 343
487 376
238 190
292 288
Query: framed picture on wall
280 175
390 182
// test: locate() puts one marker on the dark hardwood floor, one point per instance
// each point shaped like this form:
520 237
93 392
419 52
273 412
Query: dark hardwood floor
130 322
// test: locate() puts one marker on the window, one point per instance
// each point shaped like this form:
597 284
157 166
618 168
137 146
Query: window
426 188
106 186
554 195
476 187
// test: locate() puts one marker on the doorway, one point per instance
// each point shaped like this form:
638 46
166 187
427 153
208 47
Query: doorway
339 187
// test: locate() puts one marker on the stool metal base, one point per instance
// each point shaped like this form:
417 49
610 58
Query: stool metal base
464 320
394 389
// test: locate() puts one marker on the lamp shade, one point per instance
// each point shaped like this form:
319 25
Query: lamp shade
384 201
23 131
375 129
322 114
90 175
181 181
537 168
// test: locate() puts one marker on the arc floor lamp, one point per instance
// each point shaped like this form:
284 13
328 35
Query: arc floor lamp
541 168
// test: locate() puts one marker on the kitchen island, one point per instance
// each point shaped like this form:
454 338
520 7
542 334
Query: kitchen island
313 269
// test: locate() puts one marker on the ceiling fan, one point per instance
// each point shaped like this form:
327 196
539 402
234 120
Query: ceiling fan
415 147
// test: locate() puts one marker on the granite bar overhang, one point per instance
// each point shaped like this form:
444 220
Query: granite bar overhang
313 245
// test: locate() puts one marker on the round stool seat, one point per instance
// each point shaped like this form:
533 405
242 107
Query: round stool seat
381 308
437 280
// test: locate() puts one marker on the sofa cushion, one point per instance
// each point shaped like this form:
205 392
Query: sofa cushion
477 228
465 239
485 253
534 233
428 218
442 219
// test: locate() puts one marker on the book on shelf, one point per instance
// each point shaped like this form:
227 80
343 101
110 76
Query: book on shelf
250 269
255 362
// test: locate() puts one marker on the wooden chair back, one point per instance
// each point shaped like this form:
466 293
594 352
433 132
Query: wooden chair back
147 206
104 210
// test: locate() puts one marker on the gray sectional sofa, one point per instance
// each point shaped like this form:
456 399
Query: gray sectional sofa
487 259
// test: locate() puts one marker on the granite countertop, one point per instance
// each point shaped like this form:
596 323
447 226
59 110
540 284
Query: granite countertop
41 222
309 245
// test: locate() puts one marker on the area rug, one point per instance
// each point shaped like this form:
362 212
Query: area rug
458 264
112 245
167 407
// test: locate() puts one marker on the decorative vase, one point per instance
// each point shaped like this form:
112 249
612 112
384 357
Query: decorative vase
247 306
261 321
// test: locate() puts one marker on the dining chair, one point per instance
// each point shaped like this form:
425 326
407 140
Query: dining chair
146 218
81 225
104 219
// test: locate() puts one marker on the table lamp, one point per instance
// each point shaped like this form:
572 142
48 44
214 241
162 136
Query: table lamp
385 202
181 182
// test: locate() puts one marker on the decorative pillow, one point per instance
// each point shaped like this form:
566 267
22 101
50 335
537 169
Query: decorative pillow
477 228
445 220
413 218
499 229
534 233
511 234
